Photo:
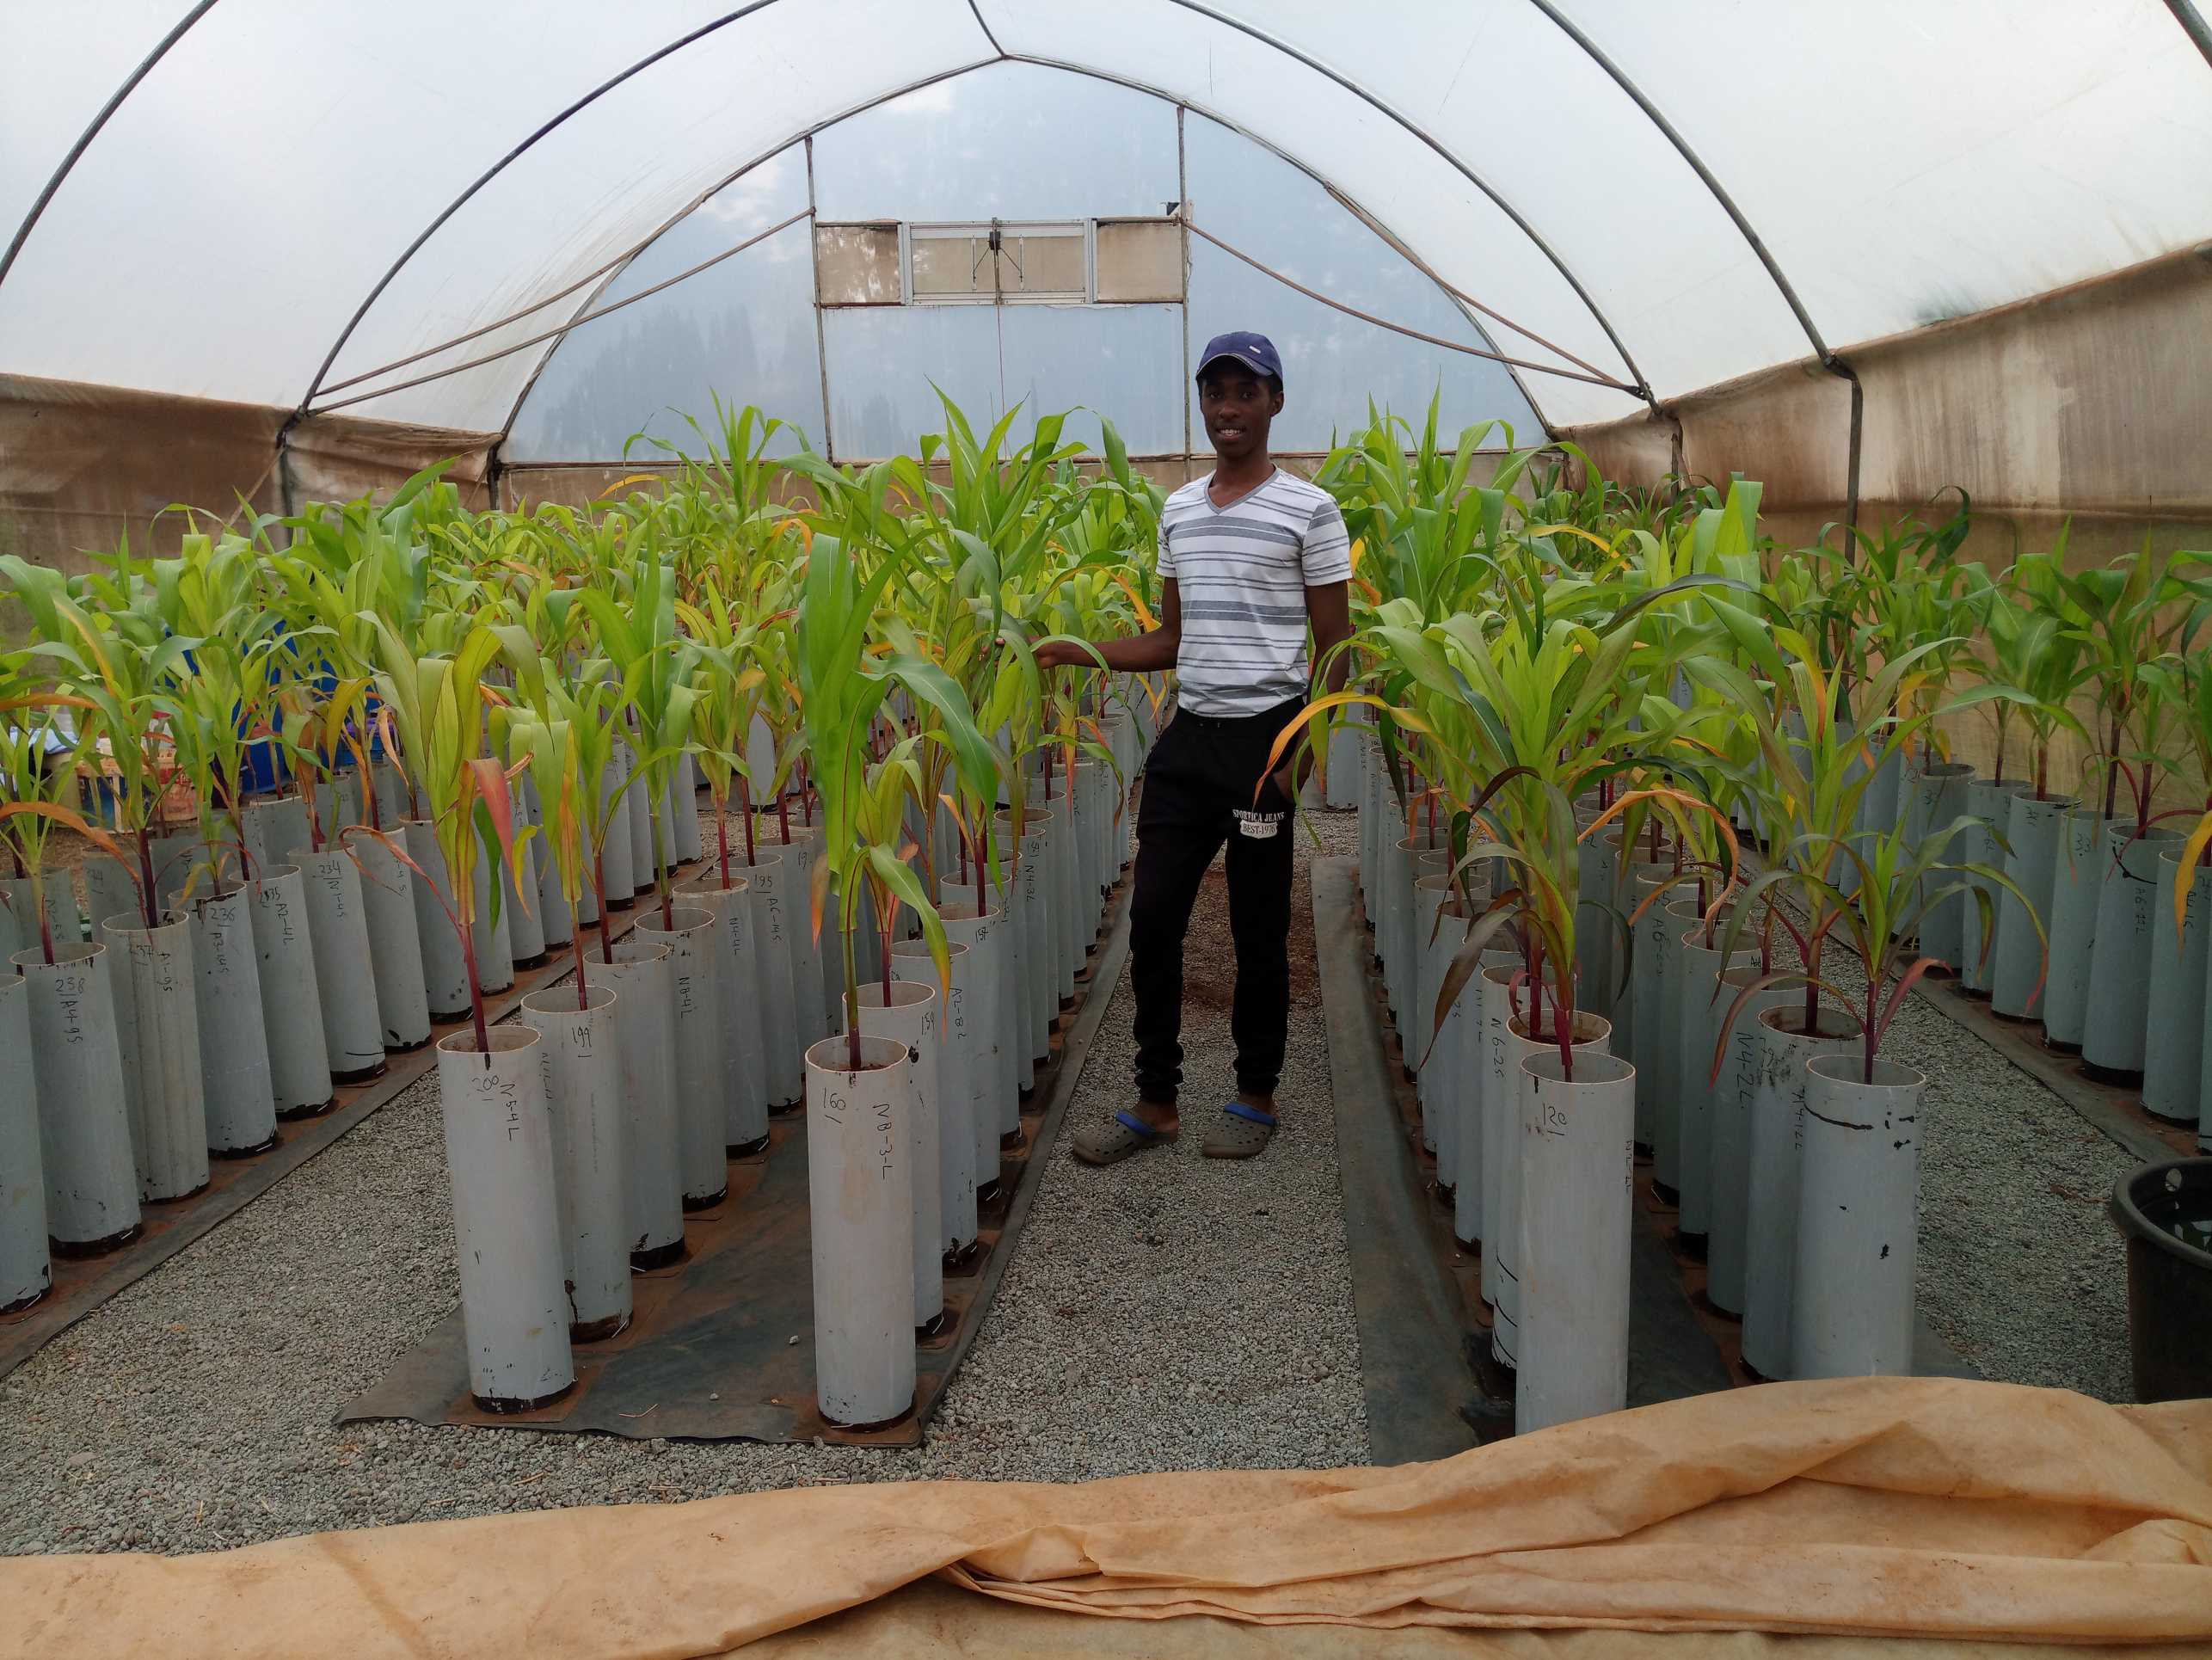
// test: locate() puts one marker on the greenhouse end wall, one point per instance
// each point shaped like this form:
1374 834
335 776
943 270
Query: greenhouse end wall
83 467
2085 409
2090 403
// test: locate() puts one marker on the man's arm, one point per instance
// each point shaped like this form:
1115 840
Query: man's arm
1142 654
1329 614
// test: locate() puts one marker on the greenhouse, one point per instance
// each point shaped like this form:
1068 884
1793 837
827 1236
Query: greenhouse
911 825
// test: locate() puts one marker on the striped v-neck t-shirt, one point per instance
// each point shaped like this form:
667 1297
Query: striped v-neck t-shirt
1242 572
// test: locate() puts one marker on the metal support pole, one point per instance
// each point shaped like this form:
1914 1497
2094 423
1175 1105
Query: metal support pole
821 333
1182 233
2193 24
1836 366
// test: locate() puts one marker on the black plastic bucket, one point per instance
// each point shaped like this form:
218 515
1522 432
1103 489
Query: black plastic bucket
2164 1213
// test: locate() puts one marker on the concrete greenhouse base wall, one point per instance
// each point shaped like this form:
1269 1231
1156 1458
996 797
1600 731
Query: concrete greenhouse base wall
2090 404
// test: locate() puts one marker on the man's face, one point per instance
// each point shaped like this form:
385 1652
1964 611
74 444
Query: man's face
1238 406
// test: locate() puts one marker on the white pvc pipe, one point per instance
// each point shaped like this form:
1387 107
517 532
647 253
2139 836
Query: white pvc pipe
444 971
158 1022
1022 866
2077 883
1047 815
1728 1237
84 1124
274 824
642 981
695 995
1493 985
1650 1028
1938 800
1858 1220
617 861
1370 815
1418 1027
1090 848
388 918
2115 1035
110 889
291 1002
2172 1065
1576 1211
1395 931
1981 845
1591 1034
557 919
1474 1188
1444 1082
1342 786
1052 921
1696 1026
583 1096
683 808
1778 1128
499 1151
978 1056
638 805
390 792
344 981
774 920
493 939
860 1188
1075 914
1881 807
742 1083
234 1055
19 916
1658 1031
913 1016
2017 966
814 986
1593 933
178 856
26 1273
520 916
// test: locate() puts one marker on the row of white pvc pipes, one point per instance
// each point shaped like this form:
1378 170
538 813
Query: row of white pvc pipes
2118 971
1798 1180
597 1128
140 1053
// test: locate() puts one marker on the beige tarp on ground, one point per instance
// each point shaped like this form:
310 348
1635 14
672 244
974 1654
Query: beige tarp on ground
1862 1508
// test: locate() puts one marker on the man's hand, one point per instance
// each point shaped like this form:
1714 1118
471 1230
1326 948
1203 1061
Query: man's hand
1059 653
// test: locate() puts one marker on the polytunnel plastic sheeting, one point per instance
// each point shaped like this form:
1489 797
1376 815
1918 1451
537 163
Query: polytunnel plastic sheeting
54 76
217 234
743 329
1333 365
1011 141
886 364
962 150
603 182
1902 162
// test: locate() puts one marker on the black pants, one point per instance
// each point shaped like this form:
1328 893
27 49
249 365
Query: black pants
1198 794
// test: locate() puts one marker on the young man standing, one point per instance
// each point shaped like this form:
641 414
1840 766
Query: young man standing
1251 557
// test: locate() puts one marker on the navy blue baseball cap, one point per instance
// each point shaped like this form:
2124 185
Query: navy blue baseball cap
1256 352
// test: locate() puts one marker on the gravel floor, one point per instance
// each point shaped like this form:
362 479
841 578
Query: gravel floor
1171 1313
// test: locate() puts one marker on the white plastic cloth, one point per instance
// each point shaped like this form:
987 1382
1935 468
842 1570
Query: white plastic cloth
1901 163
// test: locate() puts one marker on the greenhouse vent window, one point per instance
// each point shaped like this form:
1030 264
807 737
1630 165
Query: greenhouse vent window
1051 263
